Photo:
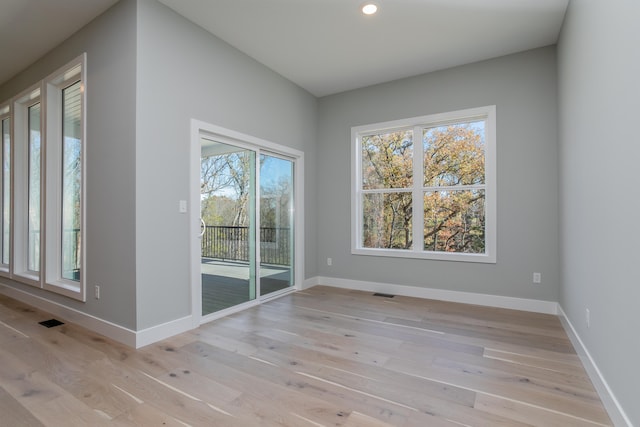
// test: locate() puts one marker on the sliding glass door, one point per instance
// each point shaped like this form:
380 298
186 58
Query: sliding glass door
246 215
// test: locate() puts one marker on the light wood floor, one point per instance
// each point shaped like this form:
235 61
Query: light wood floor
322 357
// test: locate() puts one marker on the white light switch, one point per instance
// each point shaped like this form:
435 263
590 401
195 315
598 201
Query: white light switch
182 206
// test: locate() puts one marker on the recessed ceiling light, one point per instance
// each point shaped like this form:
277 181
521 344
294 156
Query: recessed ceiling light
369 9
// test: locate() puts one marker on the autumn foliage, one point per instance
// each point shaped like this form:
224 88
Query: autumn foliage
451 186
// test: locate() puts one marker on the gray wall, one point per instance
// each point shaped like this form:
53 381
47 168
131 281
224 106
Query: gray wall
137 164
599 102
149 71
185 72
523 87
110 155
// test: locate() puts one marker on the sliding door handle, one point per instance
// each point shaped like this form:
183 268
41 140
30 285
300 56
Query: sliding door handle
203 227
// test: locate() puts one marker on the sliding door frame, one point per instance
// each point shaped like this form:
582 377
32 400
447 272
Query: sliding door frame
200 129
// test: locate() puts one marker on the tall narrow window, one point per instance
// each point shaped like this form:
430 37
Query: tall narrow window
5 189
71 175
28 151
33 245
65 121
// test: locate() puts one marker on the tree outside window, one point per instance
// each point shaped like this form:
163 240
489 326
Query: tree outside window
422 188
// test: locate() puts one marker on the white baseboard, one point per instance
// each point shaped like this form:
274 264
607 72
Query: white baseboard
111 330
308 283
537 306
159 332
611 404
615 411
135 339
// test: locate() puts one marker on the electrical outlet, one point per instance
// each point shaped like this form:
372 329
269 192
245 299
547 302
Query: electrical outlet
97 292
537 277
588 317
329 261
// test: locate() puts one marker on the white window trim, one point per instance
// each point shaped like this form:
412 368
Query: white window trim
418 123
54 84
5 113
200 129
21 104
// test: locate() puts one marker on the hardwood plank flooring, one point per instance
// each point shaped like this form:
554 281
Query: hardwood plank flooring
320 357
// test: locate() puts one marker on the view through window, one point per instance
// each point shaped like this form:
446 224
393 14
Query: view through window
424 187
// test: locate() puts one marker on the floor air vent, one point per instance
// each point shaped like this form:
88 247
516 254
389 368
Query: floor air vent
378 294
51 323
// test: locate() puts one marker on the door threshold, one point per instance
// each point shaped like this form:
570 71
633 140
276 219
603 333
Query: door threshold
244 306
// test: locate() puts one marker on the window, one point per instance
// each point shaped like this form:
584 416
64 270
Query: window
27 186
65 100
71 176
42 231
5 188
425 187
34 152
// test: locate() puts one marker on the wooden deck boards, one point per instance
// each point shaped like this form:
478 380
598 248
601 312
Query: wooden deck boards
226 283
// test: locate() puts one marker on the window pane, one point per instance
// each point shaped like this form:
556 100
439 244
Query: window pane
454 221
33 248
71 181
6 189
387 160
386 220
454 154
276 224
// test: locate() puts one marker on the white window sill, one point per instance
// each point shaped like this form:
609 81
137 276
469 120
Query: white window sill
430 255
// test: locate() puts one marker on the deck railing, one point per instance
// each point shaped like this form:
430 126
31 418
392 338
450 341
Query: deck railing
223 242
71 246
70 255
232 244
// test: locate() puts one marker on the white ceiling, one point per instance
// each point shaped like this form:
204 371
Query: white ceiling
329 46
324 46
